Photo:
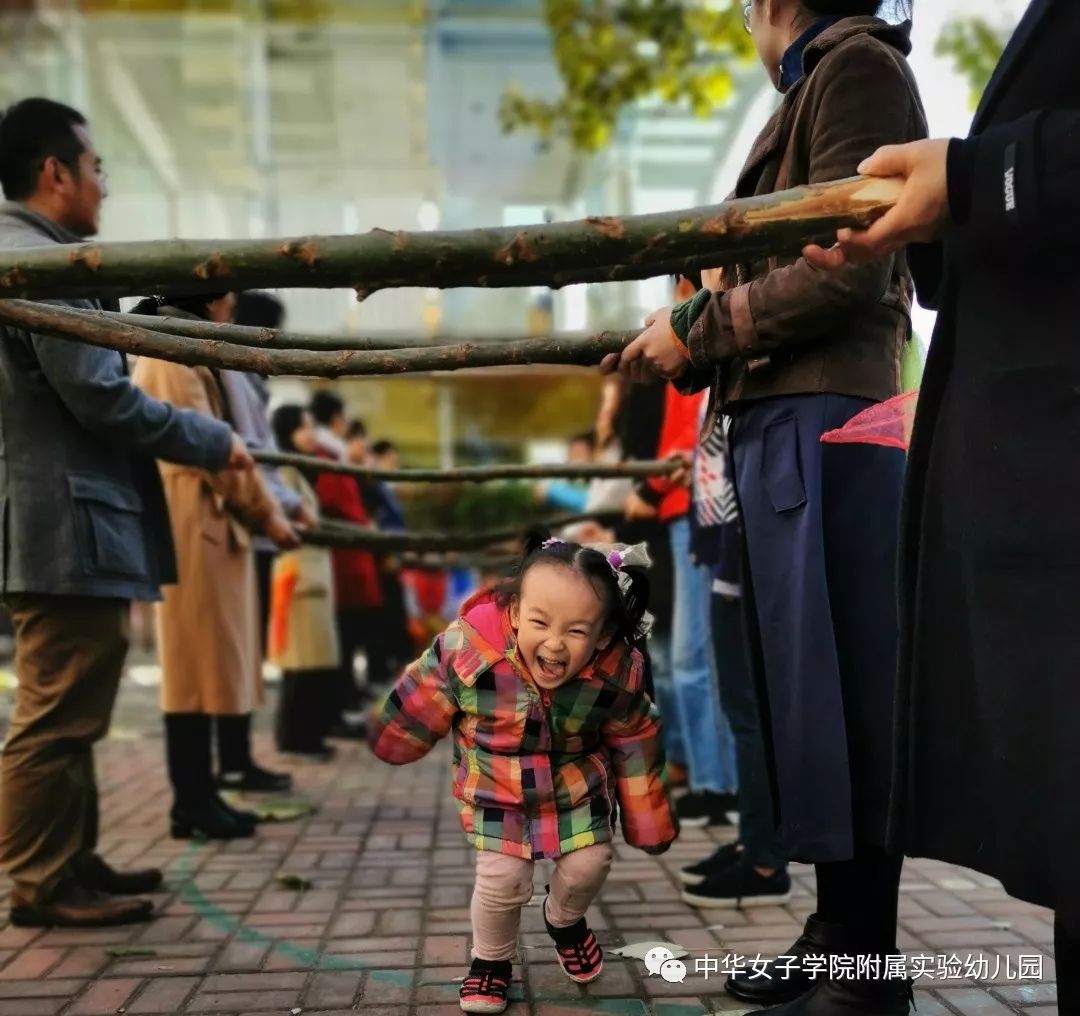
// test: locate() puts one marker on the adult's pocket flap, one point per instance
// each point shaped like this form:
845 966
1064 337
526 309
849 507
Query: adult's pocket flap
109 527
781 473
87 487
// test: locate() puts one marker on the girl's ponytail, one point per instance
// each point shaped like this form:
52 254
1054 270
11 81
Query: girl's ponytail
534 540
635 597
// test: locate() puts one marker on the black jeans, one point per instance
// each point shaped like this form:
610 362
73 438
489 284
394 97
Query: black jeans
264 571
757 818
394 630
352 635
306 709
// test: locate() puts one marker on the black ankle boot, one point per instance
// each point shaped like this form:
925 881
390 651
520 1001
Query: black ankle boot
850 998
237 770
302 719
784 980
255 780
247 820
288 705
233 743
189 758
206 819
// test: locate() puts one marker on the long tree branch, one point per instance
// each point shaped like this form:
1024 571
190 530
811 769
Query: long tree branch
99 331
553 254
264 338
331 533
491 562
476 474
271 338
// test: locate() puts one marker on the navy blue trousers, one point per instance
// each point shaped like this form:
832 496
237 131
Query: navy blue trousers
821 528
757 816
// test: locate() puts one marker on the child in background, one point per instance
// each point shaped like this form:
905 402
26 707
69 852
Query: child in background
303 638
570 495
553 734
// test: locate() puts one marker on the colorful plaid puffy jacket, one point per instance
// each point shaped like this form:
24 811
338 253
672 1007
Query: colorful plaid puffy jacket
538 773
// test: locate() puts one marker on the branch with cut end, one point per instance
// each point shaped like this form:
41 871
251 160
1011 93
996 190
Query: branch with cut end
331 533
99 331
553 254
477 474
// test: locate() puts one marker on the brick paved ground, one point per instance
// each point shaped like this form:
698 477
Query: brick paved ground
385 929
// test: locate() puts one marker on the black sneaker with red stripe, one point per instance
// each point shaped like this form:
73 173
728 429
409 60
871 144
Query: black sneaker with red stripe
579 953
486 986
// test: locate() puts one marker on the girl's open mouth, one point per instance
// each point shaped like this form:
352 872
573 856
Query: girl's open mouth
550 668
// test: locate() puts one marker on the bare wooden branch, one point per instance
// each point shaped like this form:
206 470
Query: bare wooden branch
332 533
553 254
265 338
99 331
270 338
503 564
476 474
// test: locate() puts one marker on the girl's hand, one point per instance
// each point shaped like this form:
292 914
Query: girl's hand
657 851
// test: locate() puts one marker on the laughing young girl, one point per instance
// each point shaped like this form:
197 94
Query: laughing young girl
553 735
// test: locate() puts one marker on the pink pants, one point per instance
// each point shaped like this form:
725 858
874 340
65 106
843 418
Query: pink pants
504 884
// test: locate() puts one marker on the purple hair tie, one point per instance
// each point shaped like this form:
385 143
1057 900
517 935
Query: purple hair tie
551 541
615 559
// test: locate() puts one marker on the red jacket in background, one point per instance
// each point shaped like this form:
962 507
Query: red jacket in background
356 576
678 433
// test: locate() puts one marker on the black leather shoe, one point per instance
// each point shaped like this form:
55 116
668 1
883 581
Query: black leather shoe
784 980
256 780
849 998
93 872
343 730
75 906
207 819
247 820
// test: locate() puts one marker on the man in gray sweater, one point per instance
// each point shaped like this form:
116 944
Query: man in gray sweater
84 530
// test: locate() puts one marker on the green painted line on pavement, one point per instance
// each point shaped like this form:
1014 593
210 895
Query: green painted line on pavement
207 910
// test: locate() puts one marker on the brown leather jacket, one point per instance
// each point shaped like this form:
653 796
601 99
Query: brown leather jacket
783 327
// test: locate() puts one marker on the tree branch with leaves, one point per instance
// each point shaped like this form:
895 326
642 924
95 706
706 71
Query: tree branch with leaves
975 46
612 54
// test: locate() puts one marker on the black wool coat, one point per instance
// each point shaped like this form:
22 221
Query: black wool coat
987 771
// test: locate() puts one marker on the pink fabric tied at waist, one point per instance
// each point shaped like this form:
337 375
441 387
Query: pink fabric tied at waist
888 423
